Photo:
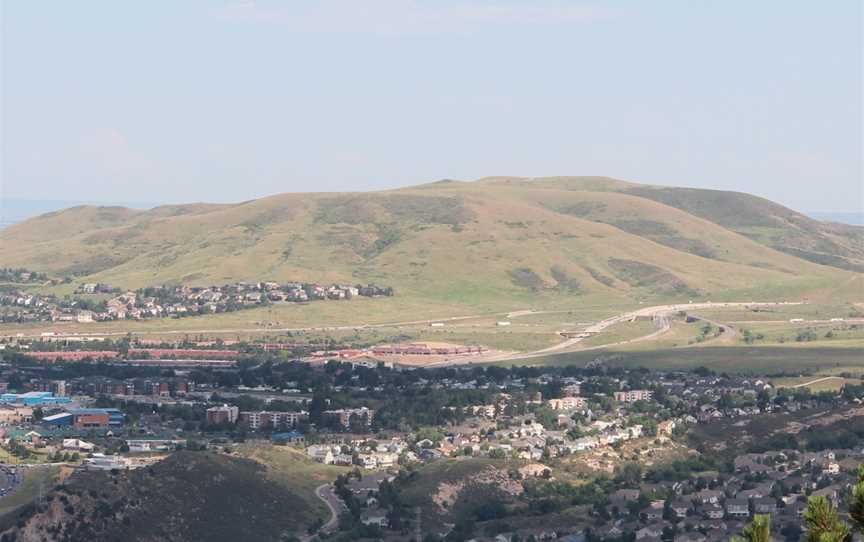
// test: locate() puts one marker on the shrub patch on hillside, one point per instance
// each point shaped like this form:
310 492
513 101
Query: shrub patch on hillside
388 235
651 277
600 277
582 209
565 282
663 234
94 264
656 231
525 277
372 209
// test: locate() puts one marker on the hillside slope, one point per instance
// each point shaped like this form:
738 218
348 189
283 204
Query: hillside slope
190 496
497 242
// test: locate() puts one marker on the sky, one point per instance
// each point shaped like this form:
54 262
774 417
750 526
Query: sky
166 101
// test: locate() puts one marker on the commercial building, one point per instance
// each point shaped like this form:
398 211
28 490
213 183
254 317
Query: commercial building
146 445
15 415
34 398
115 416
86 418
105 462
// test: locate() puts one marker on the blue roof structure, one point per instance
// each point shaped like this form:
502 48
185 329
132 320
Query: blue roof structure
288 436
34 398
64 418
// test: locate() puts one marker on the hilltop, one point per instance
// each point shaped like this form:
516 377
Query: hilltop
188 496
492 244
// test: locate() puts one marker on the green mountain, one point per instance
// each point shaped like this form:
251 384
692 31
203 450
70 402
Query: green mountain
493 243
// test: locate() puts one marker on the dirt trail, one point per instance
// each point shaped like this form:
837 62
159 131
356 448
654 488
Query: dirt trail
818 380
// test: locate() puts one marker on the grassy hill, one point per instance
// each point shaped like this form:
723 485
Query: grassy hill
493 244
187 497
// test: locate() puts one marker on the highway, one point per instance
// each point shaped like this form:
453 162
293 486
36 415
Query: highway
661 315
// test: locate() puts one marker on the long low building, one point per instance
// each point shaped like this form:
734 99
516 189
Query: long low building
272 420
146 445
423 349
80 355
214 363
185 353
33 398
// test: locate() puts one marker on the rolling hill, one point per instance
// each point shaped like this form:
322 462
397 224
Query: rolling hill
188 496
496 243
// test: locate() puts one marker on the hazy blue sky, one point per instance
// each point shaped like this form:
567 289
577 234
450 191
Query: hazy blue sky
222 101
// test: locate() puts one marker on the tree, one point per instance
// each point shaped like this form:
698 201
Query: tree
856 504
758 531
822 523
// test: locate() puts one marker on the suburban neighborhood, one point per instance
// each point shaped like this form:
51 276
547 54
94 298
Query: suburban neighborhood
653 446
98 302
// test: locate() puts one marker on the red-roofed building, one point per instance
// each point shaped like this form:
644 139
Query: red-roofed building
74 356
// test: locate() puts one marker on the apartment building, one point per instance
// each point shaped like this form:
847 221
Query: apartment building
222 414
631 396
272 420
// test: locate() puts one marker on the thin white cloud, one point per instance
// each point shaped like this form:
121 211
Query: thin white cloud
402 17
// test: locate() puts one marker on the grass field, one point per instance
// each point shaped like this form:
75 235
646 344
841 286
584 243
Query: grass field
758 360
681 334
815 383
325 315
825 333
808 311
509 340
624 331
36 457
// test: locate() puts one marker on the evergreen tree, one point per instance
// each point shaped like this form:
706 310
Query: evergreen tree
822 523
856 503
758 531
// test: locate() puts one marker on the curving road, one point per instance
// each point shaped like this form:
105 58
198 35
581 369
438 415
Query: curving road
325 493
660 314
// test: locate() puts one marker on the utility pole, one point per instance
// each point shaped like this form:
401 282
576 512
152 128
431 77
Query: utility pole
40 495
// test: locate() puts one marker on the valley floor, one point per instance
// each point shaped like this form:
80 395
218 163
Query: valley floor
767 335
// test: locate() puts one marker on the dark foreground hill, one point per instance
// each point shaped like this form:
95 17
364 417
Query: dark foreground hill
188 497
